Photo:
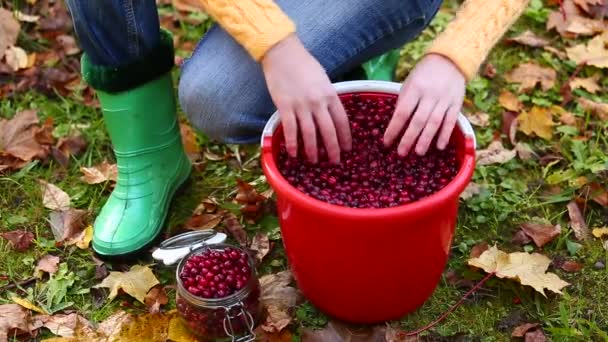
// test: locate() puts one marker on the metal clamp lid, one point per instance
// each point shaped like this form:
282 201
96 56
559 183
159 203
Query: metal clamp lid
245 317
174 249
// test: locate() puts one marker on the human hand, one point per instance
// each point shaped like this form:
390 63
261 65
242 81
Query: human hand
431 96
305 98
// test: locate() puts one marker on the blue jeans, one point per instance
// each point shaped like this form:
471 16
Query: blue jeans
222 89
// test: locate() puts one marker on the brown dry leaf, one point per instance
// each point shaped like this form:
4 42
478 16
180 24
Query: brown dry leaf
191 145
53 197
276 320
155 298
276 290
598 194
537 121
16 58
479 119
577 222
540 233
260 245
204 221
587 4
73 145
520 238
521 330
574 23
252 203
235 228
495 154
68 44
471 190
18 136
509 125
571 266
340 332
99 173
48 263
558 53
489 70
599 109
593 53
509 101
14 320
136 282
71 326
524 151
529 74
478 249
122 326
567 118
535 336
282 336
208 205
529 38
44 135
19 239
528 269
67 225
9 30
599 232
589 83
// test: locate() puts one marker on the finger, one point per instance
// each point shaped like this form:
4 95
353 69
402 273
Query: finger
448 126
328 132
408 100
416 125
309 134
290 131
340 119
431 128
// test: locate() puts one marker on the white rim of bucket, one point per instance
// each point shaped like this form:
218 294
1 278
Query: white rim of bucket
369 86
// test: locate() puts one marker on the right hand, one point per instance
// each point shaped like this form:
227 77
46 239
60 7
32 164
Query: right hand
305 99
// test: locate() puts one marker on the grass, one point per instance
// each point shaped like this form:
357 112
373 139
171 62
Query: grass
515 192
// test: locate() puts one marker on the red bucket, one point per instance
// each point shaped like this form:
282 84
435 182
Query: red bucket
367 265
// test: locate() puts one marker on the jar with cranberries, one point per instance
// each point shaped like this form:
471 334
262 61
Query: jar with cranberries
218 293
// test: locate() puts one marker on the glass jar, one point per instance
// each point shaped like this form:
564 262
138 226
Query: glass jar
231 318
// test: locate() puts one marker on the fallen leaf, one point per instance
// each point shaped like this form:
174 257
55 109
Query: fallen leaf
14 320
520 238
524 151
567 118
541 234
69 326
83 239
191 145
282 336
44 135
509 101
587 4
479 119
27 18
66 147
478 249
529 38
529 74
188 5
68 44
67 225
53 197
18 136
28 305
599 232
99 173
48 263
276 290
136 282
340 332
494 154
537 121
573 23
16 58
571 266
489 70
589 83
9 30
577 222
122 326
598 194
471 190
509 125
521 330
252 203
276 319
208 205
19 239
535 336
599 109
558 53
593 53
155 298
260 245
178 332
204 221
235 228
528 269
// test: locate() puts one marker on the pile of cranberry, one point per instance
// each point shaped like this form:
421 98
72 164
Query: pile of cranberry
370 175
216 273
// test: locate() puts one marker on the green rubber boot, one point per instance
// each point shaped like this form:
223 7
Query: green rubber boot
152 164
382 68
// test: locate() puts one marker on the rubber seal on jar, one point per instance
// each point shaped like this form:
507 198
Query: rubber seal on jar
174 249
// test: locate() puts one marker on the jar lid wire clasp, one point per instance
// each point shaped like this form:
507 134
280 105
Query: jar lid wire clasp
247 319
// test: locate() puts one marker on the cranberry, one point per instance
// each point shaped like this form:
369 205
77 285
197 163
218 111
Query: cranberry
370 175
229 273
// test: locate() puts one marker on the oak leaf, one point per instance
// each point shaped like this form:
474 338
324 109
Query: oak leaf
538 121
136 282
528 75
528 269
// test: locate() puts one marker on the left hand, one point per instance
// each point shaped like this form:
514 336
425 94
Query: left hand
431 96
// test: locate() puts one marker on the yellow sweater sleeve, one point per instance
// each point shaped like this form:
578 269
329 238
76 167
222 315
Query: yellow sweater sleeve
477 27
255 24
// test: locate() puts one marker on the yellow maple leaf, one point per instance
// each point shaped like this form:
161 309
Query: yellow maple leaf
538 121
136 282
528 269
593 53
599 232
178 331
